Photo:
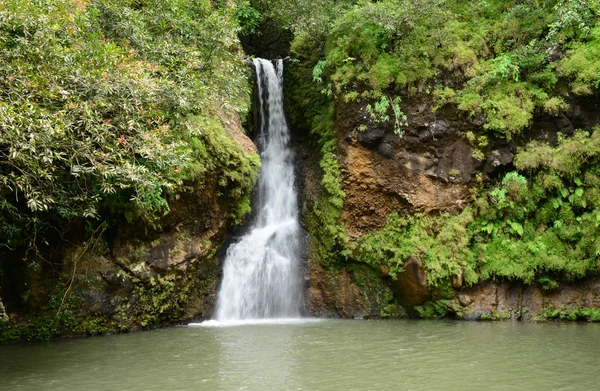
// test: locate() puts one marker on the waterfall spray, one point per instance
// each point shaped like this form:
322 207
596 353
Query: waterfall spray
261 272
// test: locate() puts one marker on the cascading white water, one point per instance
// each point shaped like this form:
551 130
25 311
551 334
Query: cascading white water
261 271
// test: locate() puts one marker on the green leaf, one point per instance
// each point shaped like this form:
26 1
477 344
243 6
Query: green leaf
558 224
518 228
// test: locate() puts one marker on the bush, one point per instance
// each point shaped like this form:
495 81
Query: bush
97 108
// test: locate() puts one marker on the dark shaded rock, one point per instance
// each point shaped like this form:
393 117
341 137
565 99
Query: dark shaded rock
371 137
271 40
564 125
414 140
439 128
585 114
386 150
410 285
498 159
477 315
555 53
456 163
423 133
98 301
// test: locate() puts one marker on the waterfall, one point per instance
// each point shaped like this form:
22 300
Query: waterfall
261 272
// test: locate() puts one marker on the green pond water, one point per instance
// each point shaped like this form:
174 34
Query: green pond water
323 355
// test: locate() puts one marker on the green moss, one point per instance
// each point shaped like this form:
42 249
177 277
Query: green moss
218 158
571 314
495 315
441 242
57 317
498 49
152 302
433 309
93 326
313 111
582 64
324 221
538 226
378 296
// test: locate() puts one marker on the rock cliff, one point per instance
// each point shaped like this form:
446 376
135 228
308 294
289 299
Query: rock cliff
433 168
131 277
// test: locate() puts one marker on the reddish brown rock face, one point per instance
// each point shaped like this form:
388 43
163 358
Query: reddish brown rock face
524 302
427 169
334 294
376 186
410 285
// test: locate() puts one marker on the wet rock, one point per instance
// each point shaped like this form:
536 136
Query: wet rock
456 163
439 128
564 125
410 285
386 150
333 294
477 315
513 300
509 297
371 137
464 299
532 302
498 158
349 301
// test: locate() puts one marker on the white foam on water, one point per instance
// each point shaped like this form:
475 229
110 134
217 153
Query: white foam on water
254 322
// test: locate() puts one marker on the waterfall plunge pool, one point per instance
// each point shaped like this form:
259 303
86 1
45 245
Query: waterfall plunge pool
316 355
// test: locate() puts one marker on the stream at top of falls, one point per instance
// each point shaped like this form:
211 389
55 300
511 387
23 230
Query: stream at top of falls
316 355
261 270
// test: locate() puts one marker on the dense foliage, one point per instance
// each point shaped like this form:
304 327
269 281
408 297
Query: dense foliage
107 107
499 62
542 227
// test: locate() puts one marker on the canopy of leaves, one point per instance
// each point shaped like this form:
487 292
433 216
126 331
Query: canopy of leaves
99 108
494 59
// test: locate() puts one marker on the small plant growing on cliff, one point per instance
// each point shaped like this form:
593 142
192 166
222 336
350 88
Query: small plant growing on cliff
318 77
479 144
379 113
